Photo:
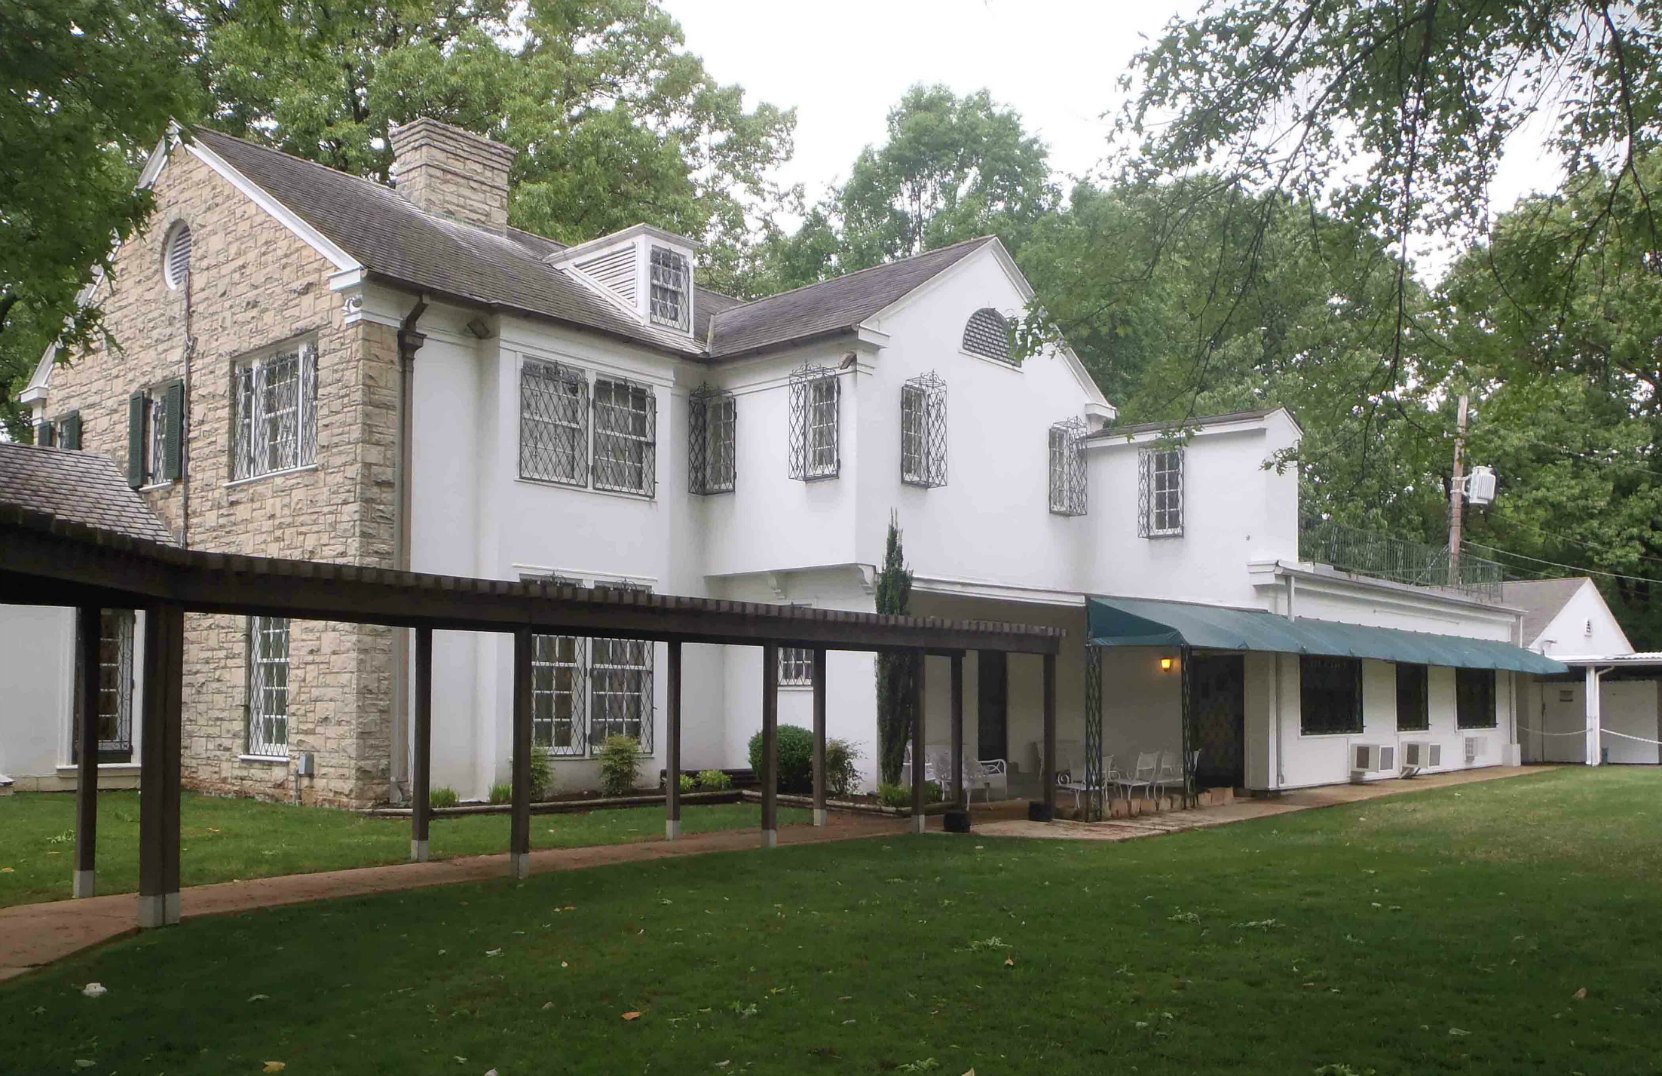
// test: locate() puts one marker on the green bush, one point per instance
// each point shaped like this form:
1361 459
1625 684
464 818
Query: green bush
620 763
688 782
901 795
714 781
542 773
443 797
502 792
796 758
841 775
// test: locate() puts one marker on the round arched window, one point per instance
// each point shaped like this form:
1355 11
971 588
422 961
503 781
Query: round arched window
176 255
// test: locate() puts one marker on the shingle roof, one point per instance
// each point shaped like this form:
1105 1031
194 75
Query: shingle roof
80 487
1540 600
1190 423
397 241
834 305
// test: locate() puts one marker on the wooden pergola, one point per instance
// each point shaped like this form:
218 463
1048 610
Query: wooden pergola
47 560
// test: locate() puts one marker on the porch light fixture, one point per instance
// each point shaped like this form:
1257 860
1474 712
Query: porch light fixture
1166 664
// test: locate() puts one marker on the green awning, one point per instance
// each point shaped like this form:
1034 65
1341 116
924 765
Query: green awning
1146 622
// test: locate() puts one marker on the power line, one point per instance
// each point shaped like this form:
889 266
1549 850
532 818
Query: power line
1559 564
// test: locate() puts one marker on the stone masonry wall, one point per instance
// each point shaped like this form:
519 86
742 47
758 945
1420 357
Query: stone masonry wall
254 284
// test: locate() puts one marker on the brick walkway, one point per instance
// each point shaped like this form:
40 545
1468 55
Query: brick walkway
32 935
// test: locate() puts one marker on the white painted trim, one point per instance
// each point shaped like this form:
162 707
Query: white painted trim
978 588
284 215
244 757
269 474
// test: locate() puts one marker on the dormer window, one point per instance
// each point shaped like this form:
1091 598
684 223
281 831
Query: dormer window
669 289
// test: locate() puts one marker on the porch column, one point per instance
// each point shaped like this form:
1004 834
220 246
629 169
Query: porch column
770 745
519 829
918 818
164 650
84 883
1187 758
1595 718
958 819
672 749
1095 779
1045 809
421 780
819 736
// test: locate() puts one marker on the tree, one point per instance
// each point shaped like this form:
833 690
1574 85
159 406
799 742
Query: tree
615 122
952 168
896 673
77 115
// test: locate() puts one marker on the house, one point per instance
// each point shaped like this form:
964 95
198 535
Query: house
314 365
1608 706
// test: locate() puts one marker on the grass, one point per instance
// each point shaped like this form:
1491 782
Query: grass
1450 931
222 839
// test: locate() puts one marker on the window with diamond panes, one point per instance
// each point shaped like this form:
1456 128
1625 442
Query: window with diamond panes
923 431
558 679
1160 511
1067 468
987 333
671 299
815 401
274 404
268 686
115 689
1330 695
712 441
625 437
553 423
620 684
1474 698
796 666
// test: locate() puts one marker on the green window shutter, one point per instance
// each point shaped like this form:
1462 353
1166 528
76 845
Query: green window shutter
173 441
72 431
43 435
135 440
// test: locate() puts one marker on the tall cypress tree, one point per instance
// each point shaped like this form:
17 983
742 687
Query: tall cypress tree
896 673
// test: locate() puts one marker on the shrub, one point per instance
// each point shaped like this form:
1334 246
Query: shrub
796 758
688 782
443 797
901 795
502 792
542 773
841 775
620 762
714 781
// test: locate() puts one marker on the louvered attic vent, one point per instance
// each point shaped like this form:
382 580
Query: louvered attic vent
645 271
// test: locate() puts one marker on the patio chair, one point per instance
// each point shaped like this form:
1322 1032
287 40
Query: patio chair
1169 775
987 774
1142 778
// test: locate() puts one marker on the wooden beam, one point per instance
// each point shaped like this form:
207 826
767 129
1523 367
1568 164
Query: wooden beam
672 749
818 673
164 647
519 830
421 732
770 745
87 635
918 804
1045 809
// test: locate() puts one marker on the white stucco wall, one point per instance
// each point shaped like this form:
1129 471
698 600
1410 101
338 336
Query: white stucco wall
37 648
1584 626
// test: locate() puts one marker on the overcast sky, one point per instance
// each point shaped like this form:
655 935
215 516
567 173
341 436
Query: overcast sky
843 65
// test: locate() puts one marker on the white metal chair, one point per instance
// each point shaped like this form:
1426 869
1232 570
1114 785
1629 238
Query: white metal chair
1169 773
987 774
1142 778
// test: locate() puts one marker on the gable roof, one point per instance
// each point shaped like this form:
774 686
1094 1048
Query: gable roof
1540 600
837 305
79 487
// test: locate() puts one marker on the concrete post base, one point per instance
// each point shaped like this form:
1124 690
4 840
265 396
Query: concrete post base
519 865
821 816
85 884
770 838
957 821
919 822
1039 812
672 829
158 910
418 851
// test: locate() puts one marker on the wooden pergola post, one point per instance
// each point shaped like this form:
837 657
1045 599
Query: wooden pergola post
164 650
770 745
820 816
957 819
918 818
421 779
85 881
672 749
519 830
1045 809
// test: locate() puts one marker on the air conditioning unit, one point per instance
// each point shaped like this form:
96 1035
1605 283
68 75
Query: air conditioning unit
1366 758
1418 755
1474 749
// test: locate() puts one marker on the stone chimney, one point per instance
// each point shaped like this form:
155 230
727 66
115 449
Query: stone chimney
452 172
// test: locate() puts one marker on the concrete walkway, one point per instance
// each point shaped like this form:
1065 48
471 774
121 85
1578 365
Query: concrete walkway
1302 799
32 935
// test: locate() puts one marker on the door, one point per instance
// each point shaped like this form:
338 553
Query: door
1217 707
992 693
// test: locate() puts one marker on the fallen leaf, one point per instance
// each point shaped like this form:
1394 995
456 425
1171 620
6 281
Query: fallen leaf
563 964
548 1005
631 1015
1458 1031
275 1066
1010 961
83 1063
94 990
493 952
6 870
260 997
1580 995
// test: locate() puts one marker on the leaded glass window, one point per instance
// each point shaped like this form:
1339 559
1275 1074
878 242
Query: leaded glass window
923 431
268 686
1474 698
1330 695
671 299
625 437
712 441
558 680
274 419
553 423
816 398
115 689
1160 511
796 666
1067 468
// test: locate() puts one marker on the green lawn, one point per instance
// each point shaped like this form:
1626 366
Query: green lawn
1443 932
222 839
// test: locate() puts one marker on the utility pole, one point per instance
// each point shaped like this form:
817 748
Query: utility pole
1457 497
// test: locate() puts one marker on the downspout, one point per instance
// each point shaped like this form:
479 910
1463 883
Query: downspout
184 422
1280 768
409 342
